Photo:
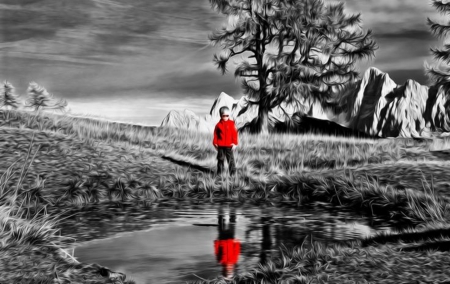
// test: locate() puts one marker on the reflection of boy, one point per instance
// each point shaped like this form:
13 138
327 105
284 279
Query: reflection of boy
227 253
227 248
225 141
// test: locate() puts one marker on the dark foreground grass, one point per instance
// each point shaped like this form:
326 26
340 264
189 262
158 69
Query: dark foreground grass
31 248
80 161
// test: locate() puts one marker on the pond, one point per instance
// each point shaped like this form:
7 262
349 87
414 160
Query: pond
174 243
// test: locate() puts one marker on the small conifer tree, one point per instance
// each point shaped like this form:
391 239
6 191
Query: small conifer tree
39 98
8 98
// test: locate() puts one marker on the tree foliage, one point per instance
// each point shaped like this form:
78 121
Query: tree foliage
437 75
295 49
8 98
40 98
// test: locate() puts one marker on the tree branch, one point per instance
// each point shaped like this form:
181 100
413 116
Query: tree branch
438 29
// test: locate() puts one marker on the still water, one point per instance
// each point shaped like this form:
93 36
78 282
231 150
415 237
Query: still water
183 242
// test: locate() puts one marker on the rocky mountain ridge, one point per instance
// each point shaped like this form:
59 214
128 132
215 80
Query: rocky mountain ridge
375 107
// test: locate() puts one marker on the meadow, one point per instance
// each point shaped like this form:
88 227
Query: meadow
52 163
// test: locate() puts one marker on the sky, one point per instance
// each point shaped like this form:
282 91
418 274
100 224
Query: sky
135 60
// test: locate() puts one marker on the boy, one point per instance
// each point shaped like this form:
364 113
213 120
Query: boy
225 141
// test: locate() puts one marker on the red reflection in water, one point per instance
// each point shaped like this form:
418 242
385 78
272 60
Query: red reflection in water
227 252
226 247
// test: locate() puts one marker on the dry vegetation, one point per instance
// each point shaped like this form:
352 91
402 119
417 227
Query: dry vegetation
56 161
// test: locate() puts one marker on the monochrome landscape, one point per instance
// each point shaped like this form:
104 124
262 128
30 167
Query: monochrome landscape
108 110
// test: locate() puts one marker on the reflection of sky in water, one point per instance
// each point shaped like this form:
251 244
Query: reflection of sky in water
180 243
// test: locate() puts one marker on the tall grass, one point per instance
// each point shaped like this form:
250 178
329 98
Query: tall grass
82 128
288 152
32 249
365 193
281 153
24 229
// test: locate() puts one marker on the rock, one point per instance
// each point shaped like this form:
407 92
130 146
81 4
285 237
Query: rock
384 109
402 113
370 97
438 109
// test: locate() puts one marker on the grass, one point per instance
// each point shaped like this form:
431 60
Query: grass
316 151
78 162
316 263
31 248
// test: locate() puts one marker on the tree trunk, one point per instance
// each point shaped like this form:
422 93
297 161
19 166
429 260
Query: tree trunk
263 106
263 119
266 243
263 110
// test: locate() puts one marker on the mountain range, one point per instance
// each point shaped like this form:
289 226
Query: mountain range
375 107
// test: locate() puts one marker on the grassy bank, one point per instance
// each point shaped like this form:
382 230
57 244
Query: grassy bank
32 249
82 161
316 263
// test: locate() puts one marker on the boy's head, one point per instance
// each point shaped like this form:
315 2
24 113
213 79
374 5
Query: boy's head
224 113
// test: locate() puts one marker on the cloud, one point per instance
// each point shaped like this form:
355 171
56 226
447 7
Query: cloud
40 19
208 83
56 58
113 24
21 3
418 33
399 14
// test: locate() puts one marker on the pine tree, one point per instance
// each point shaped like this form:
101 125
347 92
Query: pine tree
8 98
440 77
39 98
295 49
321 45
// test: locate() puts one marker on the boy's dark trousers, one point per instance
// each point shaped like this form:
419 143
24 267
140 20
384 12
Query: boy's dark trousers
222 153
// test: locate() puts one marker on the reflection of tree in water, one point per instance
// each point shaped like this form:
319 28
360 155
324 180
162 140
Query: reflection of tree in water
263 226
266 243
271 236
267 233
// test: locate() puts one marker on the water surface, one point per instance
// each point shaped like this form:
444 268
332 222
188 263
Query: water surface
183 242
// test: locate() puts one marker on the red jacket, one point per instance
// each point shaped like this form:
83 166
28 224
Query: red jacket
227 251
225 133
